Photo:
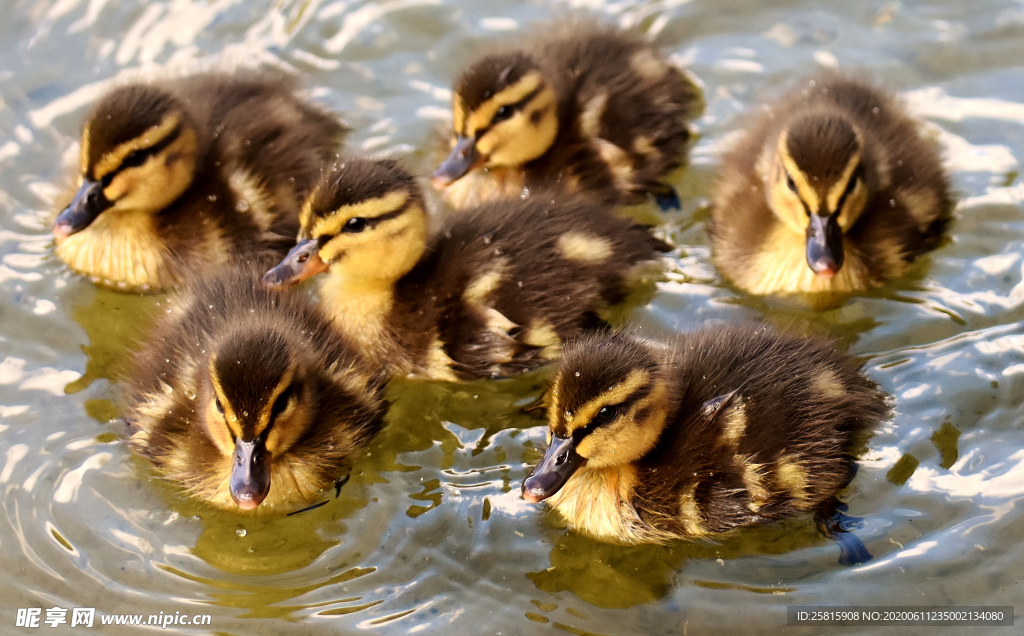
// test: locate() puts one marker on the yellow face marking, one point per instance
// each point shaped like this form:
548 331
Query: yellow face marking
110 161
734 422
840 186
458 114
83 156
264 417
230 417
584 247
334 222
789 474
525 136
629 437
803 187
157 183
484 113
614 395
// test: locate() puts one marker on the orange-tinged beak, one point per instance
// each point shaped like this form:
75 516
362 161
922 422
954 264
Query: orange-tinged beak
302 262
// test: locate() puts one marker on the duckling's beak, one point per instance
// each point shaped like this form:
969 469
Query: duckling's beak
89 201
558 465
463 158
302 262
250 473
824 245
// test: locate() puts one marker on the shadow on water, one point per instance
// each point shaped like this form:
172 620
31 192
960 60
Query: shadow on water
116 325
617 577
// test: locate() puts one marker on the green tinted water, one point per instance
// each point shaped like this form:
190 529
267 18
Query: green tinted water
430 534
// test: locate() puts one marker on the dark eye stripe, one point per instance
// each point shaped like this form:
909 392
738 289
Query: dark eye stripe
140 156
512 110
281 403
850 185
621 408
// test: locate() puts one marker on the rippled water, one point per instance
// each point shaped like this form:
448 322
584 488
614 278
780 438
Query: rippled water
430 535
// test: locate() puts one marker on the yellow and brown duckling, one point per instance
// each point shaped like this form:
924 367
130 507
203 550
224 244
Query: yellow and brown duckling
834 190
582 107
249 399
493 293
191 172
725 427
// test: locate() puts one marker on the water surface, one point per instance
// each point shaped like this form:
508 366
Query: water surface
430 535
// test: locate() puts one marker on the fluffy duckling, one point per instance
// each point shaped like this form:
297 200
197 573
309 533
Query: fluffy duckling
492 294
249 399
725 427
187 173
833 190
583 107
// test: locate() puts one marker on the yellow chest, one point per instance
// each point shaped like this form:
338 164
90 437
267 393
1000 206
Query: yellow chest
121 251
596 502
480 186
780 267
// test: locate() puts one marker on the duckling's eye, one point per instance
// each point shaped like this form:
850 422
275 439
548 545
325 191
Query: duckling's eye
851 186
218 405
791 184
606 414
355 225
281 403
137 158
502 114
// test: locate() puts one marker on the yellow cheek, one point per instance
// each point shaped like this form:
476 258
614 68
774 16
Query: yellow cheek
853 208
287 429
217 428
787 207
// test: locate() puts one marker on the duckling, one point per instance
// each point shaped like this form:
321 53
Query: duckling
491 294
725 427
834 190
583 106
248 398
189 173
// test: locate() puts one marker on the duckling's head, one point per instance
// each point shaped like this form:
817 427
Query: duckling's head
259 403
504 114
817 183
608 406
138 155
364 221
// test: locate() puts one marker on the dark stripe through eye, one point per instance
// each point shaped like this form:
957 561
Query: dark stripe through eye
851 185
506 111
142 155
281 403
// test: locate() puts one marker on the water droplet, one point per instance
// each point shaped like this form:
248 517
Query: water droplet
242 205
211 198
240 532
892 203
577 374
245 413
525 194
190 394
875 110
